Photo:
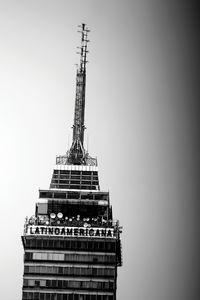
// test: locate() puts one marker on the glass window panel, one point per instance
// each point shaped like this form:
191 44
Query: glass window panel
25 282
94 271
31 269
62 245
42 282
48 283
61 256
74 284
31 282
50 243
90 245
99 271
42 296
37 255
53 296
50 256
26 269
43 256
82 271
29 295
48 296
112 272
56 256
36 296
37 283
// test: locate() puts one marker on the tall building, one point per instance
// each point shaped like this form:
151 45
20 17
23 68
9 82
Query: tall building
72 244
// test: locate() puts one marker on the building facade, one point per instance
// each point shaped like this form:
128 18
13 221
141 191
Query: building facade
72 246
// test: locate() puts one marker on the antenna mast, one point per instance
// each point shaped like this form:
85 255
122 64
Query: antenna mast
77 155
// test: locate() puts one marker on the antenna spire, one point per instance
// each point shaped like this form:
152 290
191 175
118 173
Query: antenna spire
77 155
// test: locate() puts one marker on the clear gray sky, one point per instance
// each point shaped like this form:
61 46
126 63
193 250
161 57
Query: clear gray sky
142 124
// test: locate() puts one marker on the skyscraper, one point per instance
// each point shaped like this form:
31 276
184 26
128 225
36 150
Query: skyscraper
72 245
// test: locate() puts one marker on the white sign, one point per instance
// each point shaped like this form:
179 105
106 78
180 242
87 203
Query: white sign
71 231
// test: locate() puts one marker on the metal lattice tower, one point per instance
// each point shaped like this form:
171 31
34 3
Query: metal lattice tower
77 154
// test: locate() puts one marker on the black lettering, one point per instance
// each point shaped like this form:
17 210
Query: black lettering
91 232
69 231
103 232
97 232
109 233
57 231
42 230
76 231
81 232
50 230
62 231
37 230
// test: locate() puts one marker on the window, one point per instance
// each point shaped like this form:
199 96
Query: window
47 296
29 295
50 243
28 256
43 283
48 256
54 283
90 245
37 283
31 282
48 283
77 172
25 282
42 208
36 296
26 269
94 271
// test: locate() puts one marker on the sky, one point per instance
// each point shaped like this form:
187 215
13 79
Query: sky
142 119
